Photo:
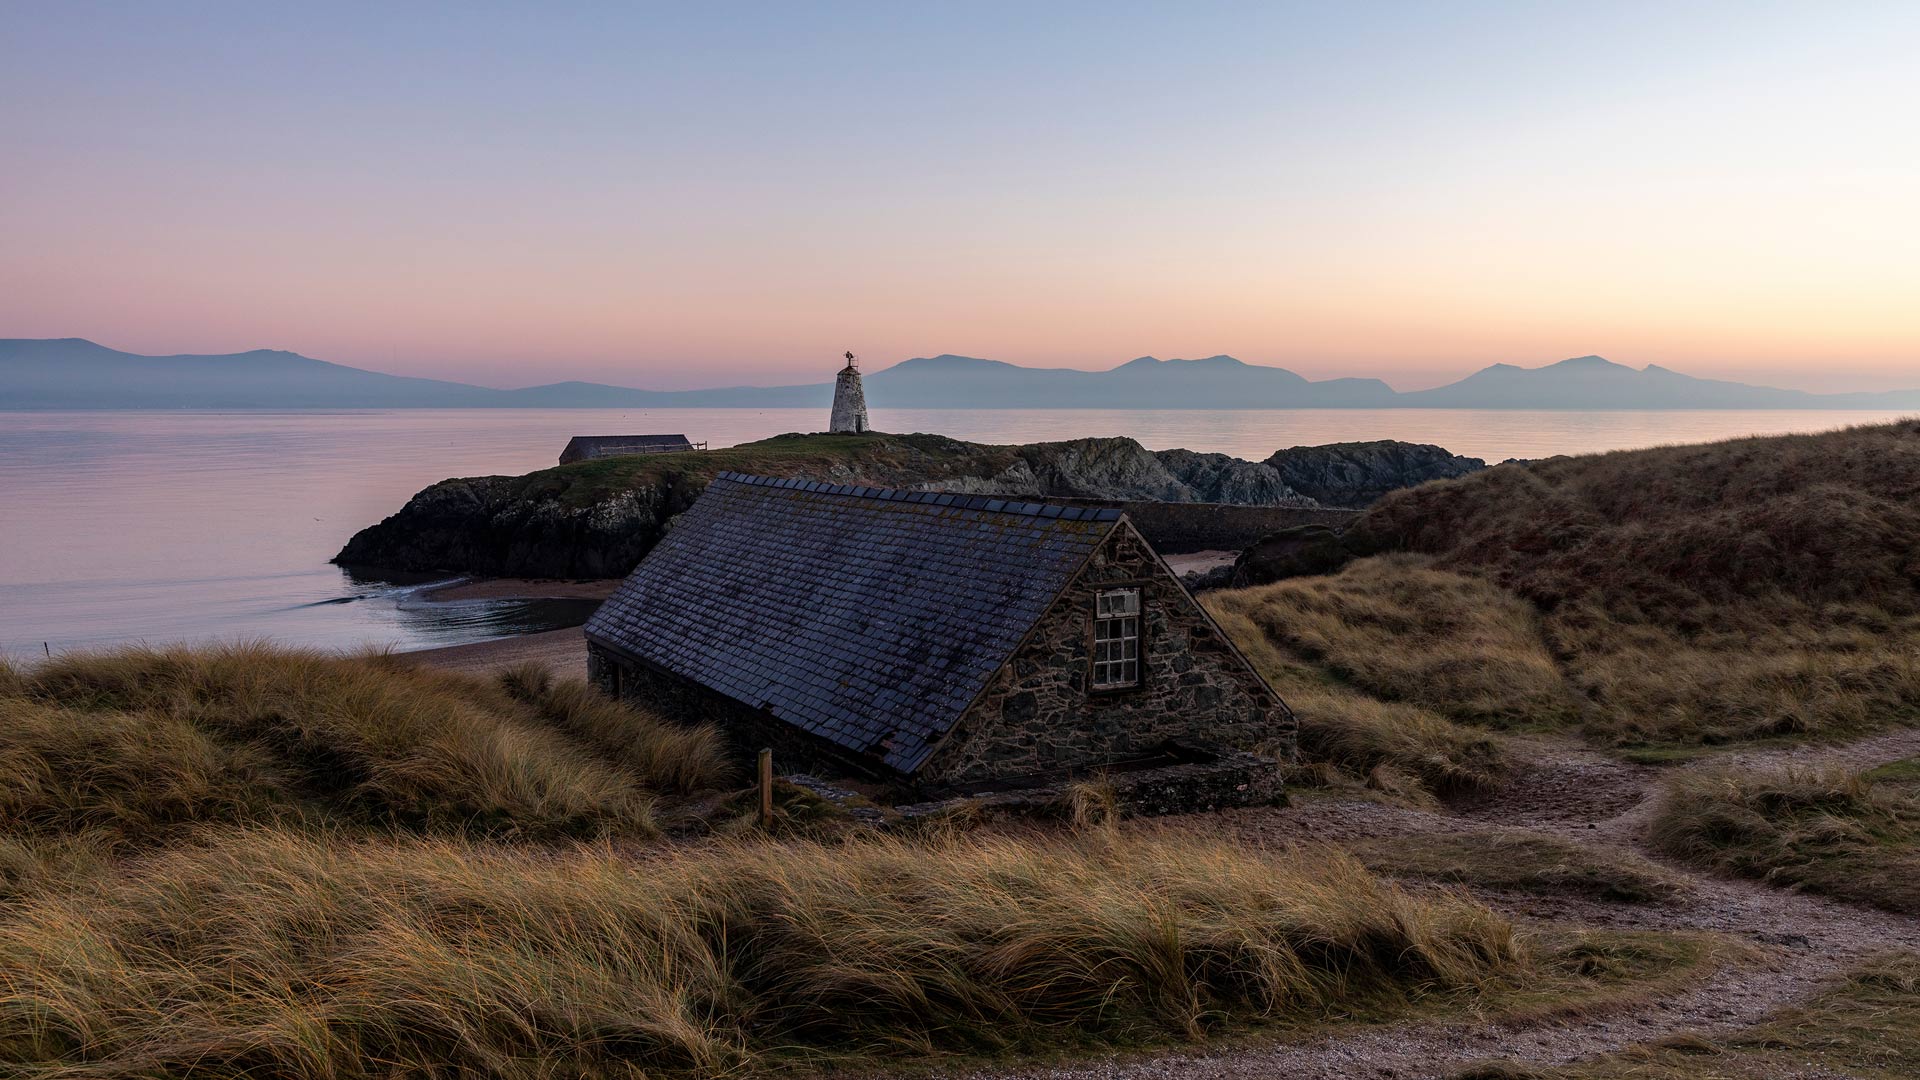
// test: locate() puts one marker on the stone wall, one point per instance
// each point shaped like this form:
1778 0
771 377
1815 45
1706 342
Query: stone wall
747 730
1174 528
1038 715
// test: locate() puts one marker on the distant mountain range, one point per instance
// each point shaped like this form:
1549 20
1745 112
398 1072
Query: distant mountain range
73 373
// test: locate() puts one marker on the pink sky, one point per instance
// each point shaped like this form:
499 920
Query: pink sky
671 199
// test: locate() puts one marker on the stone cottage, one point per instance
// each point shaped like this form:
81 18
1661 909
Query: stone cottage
938 642
590 447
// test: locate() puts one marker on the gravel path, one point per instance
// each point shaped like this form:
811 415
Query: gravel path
1572 793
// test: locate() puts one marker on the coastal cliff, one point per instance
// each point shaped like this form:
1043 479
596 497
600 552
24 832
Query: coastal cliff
597 518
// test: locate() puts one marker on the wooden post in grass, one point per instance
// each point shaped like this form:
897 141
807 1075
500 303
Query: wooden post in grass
766 789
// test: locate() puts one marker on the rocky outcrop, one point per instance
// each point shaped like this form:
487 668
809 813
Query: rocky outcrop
1218 478
487 526
1355 474
597 519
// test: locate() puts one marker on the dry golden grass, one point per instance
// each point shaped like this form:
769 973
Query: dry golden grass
287 954
1678 596
1402 631
673 758
137 743
1348 737
1701 594
1826 830
1827 675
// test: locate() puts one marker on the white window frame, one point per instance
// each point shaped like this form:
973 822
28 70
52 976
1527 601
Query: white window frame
1117 638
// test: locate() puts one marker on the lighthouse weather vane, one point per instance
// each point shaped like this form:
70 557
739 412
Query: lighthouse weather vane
850 359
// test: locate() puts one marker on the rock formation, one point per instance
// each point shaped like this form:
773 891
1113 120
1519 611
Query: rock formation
1355 474
570 523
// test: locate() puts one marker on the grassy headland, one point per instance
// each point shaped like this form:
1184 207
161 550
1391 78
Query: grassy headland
1673 597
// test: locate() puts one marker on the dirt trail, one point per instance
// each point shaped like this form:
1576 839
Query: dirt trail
1570 792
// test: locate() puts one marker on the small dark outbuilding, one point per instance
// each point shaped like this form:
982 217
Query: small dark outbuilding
589 447
935 641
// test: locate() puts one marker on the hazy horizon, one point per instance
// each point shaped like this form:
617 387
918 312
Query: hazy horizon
673 198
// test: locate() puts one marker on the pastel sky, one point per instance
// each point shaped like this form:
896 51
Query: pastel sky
699 194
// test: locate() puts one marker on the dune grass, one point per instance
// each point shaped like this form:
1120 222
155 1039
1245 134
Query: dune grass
1349 737
1825 830
132 745
1401 631
270 952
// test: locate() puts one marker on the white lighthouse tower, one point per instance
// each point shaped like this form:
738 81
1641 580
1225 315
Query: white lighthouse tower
849 401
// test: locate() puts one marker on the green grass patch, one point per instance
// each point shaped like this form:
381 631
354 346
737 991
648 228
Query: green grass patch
1867 1026
1897 774
1522 863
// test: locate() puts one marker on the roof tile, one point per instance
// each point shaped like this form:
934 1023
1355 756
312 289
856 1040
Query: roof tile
858 614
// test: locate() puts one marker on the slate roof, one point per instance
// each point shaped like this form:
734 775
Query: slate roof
587 447
870 618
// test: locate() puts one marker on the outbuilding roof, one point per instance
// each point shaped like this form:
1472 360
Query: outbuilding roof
598 446
868 617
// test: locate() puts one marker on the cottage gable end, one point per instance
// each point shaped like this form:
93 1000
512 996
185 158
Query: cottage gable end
1043 712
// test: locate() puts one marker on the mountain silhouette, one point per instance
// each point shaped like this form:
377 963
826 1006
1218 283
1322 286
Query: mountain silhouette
73 373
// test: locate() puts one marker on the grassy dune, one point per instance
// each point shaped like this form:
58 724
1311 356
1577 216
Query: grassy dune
1673 597
1851 835
280 953
131 746
1347 735
253 861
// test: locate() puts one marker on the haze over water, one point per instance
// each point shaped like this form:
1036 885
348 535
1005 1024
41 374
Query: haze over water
185 526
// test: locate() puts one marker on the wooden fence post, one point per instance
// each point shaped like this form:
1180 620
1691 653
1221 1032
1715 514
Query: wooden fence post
766 789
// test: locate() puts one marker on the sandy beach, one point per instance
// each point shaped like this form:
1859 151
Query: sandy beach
562 651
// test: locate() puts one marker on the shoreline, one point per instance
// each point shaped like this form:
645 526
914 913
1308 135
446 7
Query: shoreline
562 651
508 588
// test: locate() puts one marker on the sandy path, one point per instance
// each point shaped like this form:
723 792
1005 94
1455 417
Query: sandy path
563 651
1574 794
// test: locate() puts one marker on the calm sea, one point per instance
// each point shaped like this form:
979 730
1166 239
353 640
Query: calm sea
185 526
